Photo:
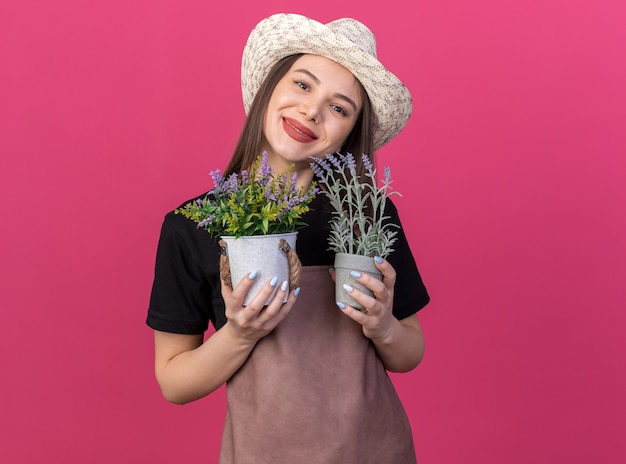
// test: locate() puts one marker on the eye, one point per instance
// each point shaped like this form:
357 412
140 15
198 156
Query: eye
302 85
339 110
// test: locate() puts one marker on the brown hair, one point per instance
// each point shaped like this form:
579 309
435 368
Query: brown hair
248 148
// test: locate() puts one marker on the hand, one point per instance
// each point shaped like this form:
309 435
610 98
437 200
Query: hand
377 319
256 320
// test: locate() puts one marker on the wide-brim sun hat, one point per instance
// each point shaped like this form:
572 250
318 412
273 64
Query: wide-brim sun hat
345 41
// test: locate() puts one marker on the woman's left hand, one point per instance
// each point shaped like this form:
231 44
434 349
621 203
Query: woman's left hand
399 343
377 317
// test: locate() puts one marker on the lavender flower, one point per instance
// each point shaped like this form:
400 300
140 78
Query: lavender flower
349 160
269 194
206 221
318 170
266 171
387 175
358 224
245 178
230 185
368 164
253 202
217 179
334 161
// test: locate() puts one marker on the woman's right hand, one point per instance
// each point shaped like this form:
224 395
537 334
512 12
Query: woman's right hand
188 368
255 320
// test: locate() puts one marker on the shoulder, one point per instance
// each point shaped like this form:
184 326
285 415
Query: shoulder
177 222
390 206
391 212
185 235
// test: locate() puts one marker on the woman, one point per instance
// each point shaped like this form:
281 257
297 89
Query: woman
306 382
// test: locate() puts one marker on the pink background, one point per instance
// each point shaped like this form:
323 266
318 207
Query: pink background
512 170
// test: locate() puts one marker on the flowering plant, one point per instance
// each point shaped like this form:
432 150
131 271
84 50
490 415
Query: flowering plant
254 202
359 225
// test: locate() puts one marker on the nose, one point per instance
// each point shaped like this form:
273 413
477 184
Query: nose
310 108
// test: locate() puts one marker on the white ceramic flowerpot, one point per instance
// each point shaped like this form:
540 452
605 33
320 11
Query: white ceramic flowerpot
346 263
259 253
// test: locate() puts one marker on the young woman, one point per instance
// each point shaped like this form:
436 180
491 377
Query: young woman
306 379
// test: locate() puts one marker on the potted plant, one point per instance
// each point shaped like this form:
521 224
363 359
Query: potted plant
359 229
255 214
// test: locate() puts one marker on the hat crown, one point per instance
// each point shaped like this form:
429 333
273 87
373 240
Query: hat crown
356 32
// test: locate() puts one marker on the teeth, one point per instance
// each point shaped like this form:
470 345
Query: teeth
297 130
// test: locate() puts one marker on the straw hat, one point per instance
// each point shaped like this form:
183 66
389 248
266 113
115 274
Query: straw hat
345 41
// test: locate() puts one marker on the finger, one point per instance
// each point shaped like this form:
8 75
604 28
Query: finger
389 273
382 289
241 289
354 314
226 290
365 300
264 294
278 309
368 281
278 300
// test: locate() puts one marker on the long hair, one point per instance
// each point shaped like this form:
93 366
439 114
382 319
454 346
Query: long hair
251 140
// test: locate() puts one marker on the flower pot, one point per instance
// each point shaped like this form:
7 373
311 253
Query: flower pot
259 253
344 264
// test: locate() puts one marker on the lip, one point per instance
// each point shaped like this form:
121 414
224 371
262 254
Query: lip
297 131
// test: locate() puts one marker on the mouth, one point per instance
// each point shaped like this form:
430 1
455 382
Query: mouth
297 131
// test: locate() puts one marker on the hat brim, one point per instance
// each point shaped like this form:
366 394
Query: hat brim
282 35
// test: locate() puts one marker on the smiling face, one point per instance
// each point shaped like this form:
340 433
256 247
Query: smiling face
311 112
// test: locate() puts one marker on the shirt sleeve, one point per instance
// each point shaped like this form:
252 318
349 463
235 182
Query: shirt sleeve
410 294
186 288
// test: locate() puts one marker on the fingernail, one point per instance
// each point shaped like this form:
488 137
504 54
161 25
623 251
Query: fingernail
274 281
341 305
284 286
356 274
347 288
378 259
331 270
296 292
253 275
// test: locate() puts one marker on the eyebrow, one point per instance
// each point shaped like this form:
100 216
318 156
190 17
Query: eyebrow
337 95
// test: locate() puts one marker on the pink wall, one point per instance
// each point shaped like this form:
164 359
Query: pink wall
512 170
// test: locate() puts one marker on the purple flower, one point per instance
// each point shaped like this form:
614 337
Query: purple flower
387 175
349 160
217 178
318 171
270 194
245 178
266 171
368 164
334 161
260 197
206 221
293 202
230 185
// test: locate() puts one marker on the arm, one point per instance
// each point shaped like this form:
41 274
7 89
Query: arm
399 343
403 347
187 369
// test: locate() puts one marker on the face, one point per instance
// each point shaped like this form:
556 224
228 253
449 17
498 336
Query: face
311 112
